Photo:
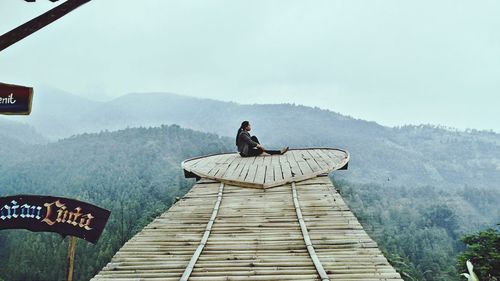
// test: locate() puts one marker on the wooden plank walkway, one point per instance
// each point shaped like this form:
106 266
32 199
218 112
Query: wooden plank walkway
219 231
267 171
343 247
163 249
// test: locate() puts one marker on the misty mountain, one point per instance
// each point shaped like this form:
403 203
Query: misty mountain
18 132
55 113
16 137
416 155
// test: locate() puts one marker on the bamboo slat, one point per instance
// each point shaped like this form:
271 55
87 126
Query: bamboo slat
310 248
294 231
204 239
295 165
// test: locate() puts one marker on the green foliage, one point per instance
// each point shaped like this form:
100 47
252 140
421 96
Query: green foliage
415 189
417 228
483 250
135 173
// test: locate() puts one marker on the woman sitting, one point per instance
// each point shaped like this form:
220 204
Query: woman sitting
249 145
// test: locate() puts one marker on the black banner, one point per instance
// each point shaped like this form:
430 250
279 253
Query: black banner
53 214
15 100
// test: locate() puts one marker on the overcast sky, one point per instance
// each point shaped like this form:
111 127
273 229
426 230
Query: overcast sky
394 62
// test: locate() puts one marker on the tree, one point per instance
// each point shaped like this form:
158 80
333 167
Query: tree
483 250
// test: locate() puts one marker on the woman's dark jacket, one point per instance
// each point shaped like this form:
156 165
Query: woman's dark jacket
244 142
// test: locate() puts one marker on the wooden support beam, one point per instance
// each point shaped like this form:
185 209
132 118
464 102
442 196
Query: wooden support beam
32 26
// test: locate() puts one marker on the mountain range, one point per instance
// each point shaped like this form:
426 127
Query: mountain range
412 154
415 189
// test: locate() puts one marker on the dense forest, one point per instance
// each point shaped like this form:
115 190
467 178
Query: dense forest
419 228
134 172
418 190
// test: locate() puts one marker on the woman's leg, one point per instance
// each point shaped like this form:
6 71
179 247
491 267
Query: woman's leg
272 151
255 139
254 152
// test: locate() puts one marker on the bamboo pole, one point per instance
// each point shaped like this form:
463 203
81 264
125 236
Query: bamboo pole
203 242
310 248
71 258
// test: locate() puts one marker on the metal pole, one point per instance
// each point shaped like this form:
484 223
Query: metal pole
71 258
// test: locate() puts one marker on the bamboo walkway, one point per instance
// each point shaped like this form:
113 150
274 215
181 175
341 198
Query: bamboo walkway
301 230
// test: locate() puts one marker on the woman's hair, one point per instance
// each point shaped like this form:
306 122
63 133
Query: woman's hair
244 124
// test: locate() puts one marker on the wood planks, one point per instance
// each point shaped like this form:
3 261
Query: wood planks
267 171
204 239
343 247
256 235
163 249
307 239
219 231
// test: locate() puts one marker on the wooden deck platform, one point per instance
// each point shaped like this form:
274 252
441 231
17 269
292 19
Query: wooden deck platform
219 231
267 171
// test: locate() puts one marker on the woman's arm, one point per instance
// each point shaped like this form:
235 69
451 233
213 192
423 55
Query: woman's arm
245 138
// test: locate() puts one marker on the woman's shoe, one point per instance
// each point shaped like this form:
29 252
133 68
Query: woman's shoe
283 150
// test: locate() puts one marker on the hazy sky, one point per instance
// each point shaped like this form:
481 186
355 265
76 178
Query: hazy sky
394 62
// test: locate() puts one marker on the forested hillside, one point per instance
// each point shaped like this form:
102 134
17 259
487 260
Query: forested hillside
418 228
21 133
416 189
416 155
134 172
